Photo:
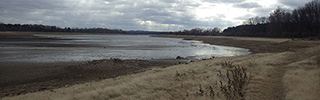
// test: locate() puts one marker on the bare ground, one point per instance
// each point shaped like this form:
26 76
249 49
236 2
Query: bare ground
282 69
22 78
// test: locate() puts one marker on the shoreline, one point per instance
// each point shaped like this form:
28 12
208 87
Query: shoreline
276 65
255 45
17 78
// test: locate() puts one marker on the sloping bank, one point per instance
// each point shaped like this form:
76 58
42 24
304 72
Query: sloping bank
280 69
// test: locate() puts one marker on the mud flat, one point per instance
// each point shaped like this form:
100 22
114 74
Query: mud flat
21 77
280 69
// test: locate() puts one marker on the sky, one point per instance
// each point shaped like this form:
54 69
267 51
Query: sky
150 15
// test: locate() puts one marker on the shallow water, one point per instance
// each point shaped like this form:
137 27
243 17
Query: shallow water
94 47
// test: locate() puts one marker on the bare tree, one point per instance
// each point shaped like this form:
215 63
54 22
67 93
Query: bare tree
256 20
279 25
279 16
307 19
301 22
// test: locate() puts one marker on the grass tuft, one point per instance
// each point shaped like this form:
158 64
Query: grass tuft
228 64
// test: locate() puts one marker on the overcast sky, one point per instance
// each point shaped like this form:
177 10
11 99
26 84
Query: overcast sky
152 15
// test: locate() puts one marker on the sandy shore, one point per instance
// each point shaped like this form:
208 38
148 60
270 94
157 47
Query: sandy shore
280 69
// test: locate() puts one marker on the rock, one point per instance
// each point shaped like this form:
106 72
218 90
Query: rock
43 88
212 57
22 91
179 57
117 60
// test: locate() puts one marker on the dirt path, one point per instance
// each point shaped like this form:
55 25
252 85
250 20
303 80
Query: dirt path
270 88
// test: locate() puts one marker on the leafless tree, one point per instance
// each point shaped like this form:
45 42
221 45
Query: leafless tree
256 20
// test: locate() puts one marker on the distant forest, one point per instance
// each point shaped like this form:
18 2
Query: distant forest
301 22
45 28
199 31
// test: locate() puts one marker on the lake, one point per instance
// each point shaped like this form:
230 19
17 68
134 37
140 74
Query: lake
63 48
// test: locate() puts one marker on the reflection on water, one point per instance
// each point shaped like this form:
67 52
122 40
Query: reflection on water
93 47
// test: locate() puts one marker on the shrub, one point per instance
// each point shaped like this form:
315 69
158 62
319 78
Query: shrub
238 80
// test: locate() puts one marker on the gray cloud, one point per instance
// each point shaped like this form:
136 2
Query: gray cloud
123 14
248 5
245 17
294 3
264 11
99 13
224 1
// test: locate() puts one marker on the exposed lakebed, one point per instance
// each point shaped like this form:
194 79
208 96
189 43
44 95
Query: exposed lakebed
62 48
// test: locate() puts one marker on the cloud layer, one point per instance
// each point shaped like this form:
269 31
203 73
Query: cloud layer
159 15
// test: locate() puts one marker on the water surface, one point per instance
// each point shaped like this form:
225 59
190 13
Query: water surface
60 48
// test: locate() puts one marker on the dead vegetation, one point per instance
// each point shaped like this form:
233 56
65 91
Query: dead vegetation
238 80
233 84
228 64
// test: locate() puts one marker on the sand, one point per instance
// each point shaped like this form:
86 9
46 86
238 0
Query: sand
281 69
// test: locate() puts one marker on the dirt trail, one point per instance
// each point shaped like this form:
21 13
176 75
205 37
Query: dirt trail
270 88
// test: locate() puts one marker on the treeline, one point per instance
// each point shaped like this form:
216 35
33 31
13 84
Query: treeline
199 31
145 32
258 30
301 22
45 28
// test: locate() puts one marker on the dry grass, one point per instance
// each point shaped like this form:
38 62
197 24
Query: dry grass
302 84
